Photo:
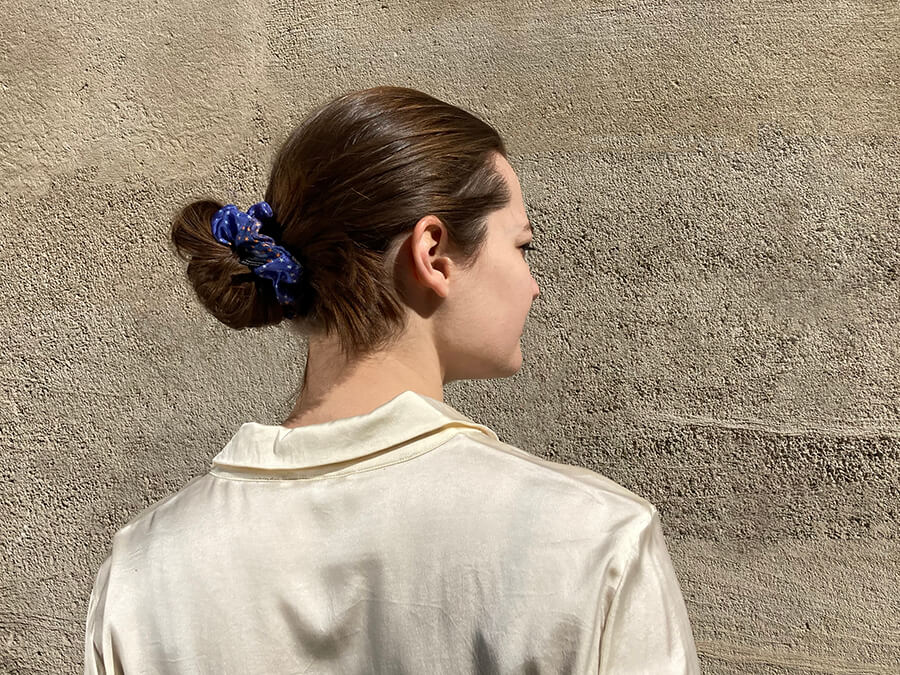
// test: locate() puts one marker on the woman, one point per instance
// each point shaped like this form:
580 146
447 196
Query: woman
377 529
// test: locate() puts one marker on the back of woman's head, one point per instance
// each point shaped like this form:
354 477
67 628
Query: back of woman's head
358 173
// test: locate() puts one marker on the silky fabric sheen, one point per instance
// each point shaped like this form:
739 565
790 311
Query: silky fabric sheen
409 539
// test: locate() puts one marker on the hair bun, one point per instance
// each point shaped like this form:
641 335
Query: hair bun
218 273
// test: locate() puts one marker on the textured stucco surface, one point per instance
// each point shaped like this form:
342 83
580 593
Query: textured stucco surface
714 188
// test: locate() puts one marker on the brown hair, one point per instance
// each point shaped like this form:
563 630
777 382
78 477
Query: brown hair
357 173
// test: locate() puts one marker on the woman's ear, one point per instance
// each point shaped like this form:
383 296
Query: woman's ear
428 247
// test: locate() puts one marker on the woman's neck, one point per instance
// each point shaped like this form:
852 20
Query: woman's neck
335 388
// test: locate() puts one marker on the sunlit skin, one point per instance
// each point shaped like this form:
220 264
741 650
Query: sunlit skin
462 323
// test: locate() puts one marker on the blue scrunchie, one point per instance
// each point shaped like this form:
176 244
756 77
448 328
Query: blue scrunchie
259 252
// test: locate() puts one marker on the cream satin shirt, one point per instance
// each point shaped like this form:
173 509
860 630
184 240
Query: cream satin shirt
406 540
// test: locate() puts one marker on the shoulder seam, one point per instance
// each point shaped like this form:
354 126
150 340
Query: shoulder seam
152 508
647 507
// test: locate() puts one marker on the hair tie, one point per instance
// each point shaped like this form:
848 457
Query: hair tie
259 252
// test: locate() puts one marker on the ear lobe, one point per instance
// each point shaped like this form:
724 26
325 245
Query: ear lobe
432 270
440 275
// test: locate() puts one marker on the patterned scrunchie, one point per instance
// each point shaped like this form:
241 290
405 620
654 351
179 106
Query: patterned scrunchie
259 252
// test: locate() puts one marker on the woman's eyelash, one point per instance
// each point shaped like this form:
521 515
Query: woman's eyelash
528 247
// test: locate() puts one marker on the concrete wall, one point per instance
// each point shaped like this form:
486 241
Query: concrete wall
715 192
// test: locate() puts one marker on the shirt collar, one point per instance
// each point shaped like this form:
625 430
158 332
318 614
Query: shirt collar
405 426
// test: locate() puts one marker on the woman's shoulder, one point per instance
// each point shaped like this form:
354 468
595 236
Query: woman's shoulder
166 507
567 487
